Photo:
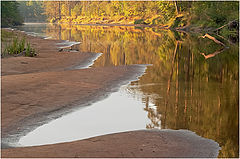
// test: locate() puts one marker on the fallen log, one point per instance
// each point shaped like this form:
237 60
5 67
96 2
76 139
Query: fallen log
225 25
225 39
213 38
213 54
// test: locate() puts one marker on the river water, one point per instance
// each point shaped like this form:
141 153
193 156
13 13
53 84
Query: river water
180 90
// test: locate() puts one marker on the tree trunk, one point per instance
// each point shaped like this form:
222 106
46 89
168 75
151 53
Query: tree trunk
175 2
59 9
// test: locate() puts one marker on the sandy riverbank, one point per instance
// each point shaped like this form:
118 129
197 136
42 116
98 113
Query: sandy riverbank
49 58
38 89
134 144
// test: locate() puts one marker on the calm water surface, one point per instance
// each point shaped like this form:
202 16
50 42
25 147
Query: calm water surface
181 90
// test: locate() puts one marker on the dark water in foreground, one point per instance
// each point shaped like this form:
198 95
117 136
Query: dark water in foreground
182 89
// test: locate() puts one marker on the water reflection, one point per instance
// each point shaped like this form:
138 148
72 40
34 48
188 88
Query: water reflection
186 90
103 117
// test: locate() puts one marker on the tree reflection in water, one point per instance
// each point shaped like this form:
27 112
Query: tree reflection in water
188 91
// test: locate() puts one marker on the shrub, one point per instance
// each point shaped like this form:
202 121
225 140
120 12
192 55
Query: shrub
18 47
30 52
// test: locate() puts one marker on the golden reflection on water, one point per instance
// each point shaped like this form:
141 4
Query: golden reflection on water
189 91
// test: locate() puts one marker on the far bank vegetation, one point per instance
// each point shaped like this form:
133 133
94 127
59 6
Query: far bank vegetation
171 14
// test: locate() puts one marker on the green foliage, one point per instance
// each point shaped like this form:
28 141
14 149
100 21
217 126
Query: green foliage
5 35
140 21
30 52
18 48
214 14
10 15
179 21
21 45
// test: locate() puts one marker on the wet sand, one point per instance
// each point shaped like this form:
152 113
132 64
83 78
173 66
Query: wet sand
132 144
36 90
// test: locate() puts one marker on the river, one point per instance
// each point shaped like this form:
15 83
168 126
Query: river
181 89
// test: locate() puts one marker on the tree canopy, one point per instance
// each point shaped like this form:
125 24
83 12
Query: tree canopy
200 13
10 14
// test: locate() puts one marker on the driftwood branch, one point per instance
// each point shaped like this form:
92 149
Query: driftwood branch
213 38
213 54
225 39
221 27
225 25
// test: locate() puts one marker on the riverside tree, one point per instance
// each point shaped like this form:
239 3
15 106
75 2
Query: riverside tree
10 14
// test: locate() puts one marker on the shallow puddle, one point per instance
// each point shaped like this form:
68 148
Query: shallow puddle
118 113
